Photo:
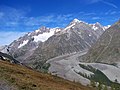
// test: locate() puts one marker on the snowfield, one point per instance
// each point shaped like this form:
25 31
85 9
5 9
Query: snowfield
24 43
43 37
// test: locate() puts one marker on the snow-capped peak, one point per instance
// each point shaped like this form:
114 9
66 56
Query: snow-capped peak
97 23
76 20
96 26
106 27
37 31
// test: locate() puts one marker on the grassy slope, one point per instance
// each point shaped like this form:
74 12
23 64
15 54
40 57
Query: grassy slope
26 79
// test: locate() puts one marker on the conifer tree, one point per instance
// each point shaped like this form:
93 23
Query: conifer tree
100 86
92 83
105 88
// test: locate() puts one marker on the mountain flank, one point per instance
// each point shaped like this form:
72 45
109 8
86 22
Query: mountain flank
16 77
107 48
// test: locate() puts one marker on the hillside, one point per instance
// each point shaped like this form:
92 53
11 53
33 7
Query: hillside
107 48
16 77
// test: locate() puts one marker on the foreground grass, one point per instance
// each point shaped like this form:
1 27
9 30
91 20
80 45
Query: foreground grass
26 79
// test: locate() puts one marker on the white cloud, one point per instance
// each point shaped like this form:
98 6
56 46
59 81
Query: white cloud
94 1
112 12
48 19
1 14
96 18
109 3
8 37
10 16
103 1
88 14
16 18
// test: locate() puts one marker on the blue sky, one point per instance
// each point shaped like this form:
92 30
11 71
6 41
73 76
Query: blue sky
20 16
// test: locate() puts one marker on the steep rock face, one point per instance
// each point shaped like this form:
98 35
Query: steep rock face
107 48
3 48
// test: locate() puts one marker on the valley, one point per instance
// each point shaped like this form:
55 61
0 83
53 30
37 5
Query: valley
75 53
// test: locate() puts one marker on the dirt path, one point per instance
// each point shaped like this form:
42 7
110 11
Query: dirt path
111 36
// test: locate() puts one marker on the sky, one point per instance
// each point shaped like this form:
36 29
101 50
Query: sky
18 17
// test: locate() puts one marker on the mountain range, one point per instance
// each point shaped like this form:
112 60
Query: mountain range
80 52
46 43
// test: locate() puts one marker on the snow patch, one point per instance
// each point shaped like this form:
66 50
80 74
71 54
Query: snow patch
76 20
106 27
43 37
94 27
73 23
90 35
24 43
37 31
29 34
69 26
57 30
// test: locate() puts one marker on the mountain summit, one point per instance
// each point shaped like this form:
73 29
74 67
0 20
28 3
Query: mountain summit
76 21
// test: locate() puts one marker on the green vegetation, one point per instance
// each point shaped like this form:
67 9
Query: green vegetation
41 66
99 77
105 87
